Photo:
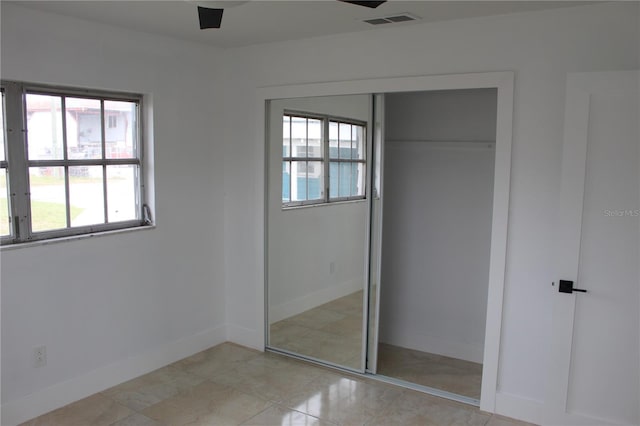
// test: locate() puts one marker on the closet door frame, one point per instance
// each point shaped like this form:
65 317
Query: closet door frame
503 81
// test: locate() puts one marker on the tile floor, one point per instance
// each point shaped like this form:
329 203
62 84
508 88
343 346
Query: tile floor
435 371
232 385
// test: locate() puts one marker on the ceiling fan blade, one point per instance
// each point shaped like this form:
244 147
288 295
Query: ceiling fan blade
369 4
209 18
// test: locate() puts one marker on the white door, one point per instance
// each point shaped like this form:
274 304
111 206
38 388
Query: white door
595 355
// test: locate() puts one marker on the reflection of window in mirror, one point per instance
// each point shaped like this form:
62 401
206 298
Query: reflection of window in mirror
318 152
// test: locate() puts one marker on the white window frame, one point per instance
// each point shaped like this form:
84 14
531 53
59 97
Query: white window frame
325 159
18 163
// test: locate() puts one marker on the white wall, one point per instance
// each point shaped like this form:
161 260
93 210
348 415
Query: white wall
304 242
174 282
442 115
541 47
438 184
113 307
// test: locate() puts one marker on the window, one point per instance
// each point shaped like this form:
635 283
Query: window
78 167
346 160
323 159
303 174
4 194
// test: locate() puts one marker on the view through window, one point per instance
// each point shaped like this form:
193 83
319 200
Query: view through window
5 229
82 165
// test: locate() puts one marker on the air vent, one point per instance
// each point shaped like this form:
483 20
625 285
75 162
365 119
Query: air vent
403 17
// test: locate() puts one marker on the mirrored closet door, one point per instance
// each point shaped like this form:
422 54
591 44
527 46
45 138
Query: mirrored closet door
318 227
379 232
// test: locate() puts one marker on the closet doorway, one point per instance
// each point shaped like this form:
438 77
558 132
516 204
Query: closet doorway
423 163
439 165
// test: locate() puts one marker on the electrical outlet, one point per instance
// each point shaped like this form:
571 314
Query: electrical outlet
40 356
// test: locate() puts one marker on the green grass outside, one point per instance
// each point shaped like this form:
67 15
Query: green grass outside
45 216
36 180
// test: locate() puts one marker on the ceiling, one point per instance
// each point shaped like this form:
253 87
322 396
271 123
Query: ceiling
262 21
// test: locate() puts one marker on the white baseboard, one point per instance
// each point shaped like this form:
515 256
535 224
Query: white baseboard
517 407
61 394
310 301
433 345
245 336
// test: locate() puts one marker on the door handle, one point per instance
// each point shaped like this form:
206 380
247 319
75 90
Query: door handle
567 287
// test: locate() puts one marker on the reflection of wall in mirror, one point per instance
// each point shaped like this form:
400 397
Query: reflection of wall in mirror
316 254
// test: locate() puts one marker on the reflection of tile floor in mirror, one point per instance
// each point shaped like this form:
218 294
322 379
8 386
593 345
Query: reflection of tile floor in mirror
330 332
232 385
436 371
